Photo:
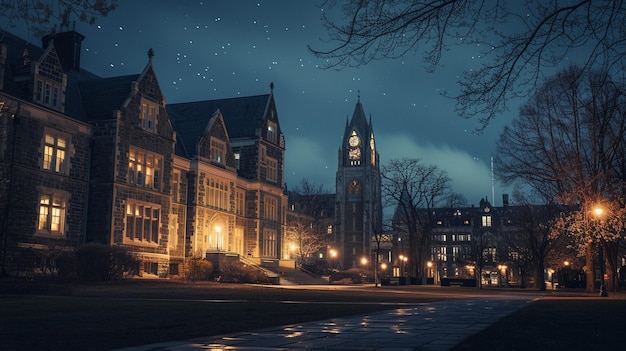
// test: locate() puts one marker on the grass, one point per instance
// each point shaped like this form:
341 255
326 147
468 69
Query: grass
43 315
556 324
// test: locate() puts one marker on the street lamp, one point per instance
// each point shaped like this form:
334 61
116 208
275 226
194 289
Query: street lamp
598 211
333 258
403 260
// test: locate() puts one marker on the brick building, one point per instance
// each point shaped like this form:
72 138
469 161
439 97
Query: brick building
91 159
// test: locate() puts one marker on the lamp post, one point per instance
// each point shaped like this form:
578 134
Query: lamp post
429 274
598 212
403 260
333 258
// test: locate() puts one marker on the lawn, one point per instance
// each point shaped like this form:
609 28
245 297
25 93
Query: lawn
51 316
557 324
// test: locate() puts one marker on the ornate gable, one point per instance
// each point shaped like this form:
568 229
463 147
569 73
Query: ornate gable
149 85
214 145
49 80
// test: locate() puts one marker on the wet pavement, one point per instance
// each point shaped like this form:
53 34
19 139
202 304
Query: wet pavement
436 326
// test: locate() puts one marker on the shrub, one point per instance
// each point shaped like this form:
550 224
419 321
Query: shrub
350 276
199 269
97 262
237 272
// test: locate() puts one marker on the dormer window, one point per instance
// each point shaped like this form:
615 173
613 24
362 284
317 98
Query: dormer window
272 132
48 94
218 150
49 82
148 115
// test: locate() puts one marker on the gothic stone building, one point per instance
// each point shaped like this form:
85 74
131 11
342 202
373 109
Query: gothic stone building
90 159
358 197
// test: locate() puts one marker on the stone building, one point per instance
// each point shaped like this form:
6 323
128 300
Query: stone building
358 196
90 159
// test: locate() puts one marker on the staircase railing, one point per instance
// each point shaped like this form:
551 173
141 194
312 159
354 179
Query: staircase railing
251 263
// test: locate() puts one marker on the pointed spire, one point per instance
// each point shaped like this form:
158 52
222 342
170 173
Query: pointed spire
272 87
358 96
150 54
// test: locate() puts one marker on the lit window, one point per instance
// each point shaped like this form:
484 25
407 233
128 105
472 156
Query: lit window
142 222
486 221
51 214
237 160
272 129
217 194
144 168
54 154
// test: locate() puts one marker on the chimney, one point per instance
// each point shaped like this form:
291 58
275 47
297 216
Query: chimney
505 200
68 47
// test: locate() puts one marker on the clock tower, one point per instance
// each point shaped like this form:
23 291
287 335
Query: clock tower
358 193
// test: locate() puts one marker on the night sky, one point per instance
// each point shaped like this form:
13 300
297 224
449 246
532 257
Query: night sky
207 50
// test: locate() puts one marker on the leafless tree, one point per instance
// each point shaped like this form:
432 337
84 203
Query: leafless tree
415 189
307 219
568 143
532 241
518 41
40 16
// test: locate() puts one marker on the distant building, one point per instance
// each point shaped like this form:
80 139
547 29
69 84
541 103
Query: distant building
472 242
91 159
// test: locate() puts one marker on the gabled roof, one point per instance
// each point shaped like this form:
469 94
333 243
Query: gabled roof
103 96
243 117
358 123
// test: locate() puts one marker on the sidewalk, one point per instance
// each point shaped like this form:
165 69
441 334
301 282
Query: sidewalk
433 326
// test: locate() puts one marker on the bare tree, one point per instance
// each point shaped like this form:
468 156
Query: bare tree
307 219
415 189
533 239
517 40
568 144
38 15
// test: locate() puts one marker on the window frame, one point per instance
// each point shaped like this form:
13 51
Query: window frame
145 168
148 115
51 160
136 215
55 208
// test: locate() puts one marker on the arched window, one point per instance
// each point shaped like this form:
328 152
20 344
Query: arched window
354 188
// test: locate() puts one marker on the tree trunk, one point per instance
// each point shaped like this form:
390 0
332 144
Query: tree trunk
589 272
538 276
610 254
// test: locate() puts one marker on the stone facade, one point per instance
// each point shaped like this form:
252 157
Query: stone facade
358 196
90 159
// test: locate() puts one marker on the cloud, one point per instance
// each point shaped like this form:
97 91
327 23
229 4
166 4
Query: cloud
305 159
470 177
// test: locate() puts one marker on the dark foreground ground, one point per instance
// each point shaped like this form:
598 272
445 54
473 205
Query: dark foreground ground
50 316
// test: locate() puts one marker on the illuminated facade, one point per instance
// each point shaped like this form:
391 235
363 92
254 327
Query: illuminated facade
91 159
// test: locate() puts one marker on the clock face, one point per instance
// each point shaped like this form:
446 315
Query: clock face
354 140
